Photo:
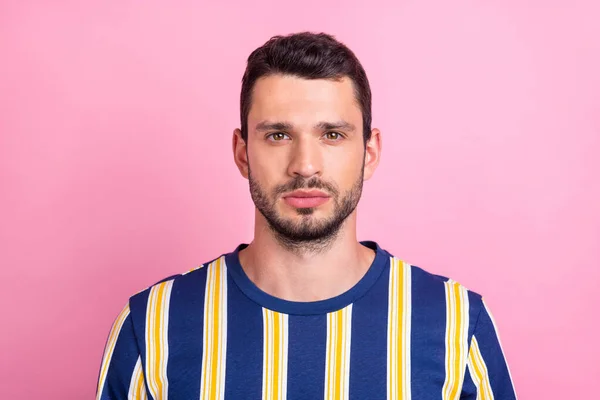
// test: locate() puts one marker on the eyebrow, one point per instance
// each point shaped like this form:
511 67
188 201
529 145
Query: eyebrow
342 125
286 126
273 126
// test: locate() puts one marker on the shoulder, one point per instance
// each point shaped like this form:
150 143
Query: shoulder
437 299
425 284
185 281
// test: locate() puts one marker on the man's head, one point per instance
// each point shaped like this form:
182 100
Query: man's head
305 142
308 56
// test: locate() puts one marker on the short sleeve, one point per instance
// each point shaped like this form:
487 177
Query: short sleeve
487 367
121 374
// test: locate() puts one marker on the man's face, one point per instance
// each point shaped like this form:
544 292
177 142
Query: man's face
305 155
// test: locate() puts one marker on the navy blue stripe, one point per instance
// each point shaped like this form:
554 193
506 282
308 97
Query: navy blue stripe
475 309
428 335
186 318
368 354
306 356
244 346
469 390
491 351
122 362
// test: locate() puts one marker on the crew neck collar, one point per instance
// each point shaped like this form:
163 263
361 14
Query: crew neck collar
312 307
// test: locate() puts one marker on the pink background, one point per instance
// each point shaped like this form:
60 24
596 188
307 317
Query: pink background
116 168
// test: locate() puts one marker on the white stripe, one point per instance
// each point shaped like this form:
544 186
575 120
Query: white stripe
165 318
394 357
208 326
407 313
223 323
150 311
447 357
281 350
273 350
330 357
284 361
454 330
265 340
465 336
399 332
208 345
474 377
346 358
479 364
113 336
452 334
134 379
391 328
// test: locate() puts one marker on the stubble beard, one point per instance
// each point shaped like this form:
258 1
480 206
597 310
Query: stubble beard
308 235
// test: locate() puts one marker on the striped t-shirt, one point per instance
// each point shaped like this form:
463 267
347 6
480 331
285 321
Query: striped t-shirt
399 333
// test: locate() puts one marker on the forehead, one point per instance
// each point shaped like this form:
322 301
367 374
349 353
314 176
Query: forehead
299 100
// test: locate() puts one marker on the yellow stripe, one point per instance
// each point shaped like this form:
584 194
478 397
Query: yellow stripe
338 358
140 389
399 325
268 355
475 375
456 326
110 347
150 353
157 339
193 269
484 389
275 355
328 358
391 330
137 390
338 354
457 359
399 322
215 338
213 349
207 329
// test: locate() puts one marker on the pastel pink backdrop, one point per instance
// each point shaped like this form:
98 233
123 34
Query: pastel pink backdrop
116 169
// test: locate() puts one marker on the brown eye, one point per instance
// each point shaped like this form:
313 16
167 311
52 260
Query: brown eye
333 136
277 136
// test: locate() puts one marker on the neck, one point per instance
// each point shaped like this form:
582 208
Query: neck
305 274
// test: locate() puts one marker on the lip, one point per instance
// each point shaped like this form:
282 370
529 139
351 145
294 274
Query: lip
307 194
306 198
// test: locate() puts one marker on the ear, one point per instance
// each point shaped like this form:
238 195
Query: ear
240 155
372 153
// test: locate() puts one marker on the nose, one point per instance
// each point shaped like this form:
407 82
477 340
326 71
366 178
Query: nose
306 158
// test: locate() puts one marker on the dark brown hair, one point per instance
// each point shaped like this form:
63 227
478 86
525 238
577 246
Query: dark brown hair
310 56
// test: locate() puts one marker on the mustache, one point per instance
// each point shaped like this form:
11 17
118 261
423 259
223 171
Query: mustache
302 183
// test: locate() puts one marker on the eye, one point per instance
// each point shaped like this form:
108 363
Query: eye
334 136
277 136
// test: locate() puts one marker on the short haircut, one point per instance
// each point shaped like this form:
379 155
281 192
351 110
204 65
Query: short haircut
310 56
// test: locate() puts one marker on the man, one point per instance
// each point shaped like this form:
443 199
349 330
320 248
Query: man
305 311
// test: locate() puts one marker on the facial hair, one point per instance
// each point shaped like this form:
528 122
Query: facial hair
310 234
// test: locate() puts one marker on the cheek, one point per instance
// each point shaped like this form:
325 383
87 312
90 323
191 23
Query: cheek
266 169
346 170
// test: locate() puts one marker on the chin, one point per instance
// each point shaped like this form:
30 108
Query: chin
315 212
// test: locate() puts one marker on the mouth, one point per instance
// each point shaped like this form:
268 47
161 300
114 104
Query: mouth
306 198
